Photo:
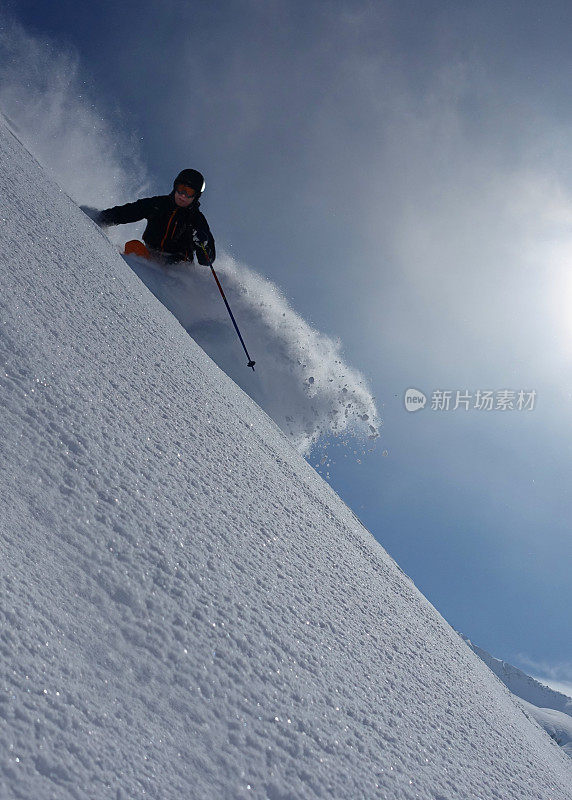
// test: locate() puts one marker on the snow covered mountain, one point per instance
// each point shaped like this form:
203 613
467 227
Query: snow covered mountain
551 709
188 610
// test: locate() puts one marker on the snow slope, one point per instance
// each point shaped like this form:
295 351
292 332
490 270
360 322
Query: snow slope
522 685
551 709
557 724
188 610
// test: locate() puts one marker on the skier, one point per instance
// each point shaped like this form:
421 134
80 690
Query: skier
176 229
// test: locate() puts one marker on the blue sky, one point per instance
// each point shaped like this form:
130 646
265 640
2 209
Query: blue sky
403 171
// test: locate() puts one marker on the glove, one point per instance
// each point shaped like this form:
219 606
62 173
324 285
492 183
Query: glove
201 238
94 214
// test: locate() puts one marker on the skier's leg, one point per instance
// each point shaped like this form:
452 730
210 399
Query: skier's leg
136 248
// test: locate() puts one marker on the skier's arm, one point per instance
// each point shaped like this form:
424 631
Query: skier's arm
202 236
130 212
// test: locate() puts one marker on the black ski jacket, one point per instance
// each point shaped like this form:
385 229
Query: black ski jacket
169 227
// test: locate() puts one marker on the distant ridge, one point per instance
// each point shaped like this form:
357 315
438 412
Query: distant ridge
551 709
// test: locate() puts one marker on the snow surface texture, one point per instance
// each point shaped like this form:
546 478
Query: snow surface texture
300 379
551 709
188 610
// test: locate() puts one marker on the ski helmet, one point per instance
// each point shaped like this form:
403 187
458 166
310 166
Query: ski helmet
191 178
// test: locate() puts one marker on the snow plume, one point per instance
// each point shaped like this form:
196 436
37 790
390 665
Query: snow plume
44 100
300 379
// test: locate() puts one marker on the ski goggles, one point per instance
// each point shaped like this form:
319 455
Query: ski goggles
186 191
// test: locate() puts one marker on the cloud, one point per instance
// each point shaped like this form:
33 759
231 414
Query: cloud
474 214
556 675
563 687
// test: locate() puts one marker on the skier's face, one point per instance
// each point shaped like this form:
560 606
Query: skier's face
184 196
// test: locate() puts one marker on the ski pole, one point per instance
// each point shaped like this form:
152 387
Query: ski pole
251 363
